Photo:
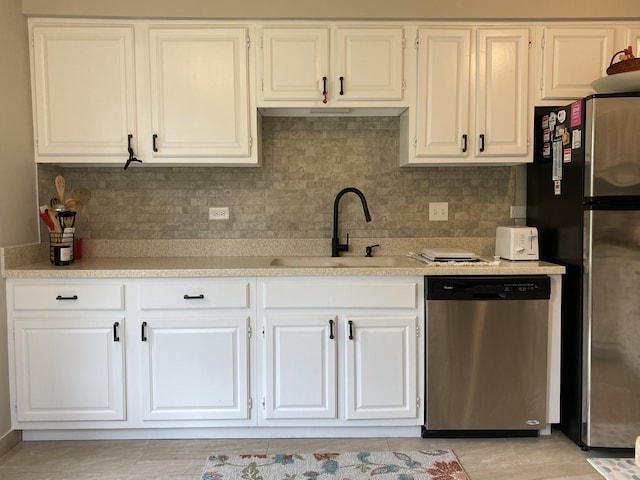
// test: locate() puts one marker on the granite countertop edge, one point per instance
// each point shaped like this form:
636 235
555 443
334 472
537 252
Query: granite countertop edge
185 267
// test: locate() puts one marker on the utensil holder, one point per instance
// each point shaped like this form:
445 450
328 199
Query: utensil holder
61 248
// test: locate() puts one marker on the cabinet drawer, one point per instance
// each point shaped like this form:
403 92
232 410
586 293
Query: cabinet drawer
161 296
290 294
66 296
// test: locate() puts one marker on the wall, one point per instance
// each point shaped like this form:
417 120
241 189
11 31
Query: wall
17 181
307 161
357 9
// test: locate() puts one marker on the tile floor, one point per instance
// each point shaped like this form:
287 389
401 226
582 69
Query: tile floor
545 457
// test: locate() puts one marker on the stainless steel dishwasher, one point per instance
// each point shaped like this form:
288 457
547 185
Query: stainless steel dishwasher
486 355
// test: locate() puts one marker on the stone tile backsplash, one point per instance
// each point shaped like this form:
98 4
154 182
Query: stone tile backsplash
306 162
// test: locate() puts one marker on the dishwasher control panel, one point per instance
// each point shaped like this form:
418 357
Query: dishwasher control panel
527 287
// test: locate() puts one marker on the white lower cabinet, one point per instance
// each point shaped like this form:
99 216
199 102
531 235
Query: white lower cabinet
182 354
381 366
300 376
194 349
66 351
69 369
329 358
194 368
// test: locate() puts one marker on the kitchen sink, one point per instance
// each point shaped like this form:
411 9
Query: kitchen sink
344 262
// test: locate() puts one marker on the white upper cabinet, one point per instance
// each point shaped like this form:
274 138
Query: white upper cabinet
84 91
502 102
324 66
184 100
199 86
443 92
572 58
472 97
294 63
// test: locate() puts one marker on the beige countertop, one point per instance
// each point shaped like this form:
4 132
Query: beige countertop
30 261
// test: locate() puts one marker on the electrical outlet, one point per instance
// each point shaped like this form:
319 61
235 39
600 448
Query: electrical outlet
438 211
518 211
219 213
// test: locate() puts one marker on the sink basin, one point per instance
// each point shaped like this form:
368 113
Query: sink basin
343 262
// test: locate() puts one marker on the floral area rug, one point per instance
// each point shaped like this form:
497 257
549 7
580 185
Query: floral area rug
418 465
616 468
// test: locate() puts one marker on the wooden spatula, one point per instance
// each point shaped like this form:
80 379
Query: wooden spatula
60 184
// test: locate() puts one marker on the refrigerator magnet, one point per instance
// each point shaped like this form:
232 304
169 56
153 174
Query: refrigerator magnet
546 150
552 120
576 113
566 155
545 121
557 161
576 138
546 135
562 116
557 187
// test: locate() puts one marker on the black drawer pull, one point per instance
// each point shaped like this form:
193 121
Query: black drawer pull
464 143
116 338
341 85
155 139
143 336
194 297
350 330
331 336
60 297
482 142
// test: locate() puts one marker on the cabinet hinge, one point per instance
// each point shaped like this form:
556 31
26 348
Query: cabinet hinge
418 402
264 403
541 84
404 85
248 42
249 331
263 334
261 42
417 331
415 142
542 42
36 141
404 43
417 42
250 403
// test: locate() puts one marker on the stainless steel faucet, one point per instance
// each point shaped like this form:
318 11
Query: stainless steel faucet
336 246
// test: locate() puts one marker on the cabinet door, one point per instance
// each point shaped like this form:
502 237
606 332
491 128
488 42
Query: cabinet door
443 93
195 368
69 369
199 92
294 63
84 91
369 62
633 39
502 100
572 58
381 363
300 367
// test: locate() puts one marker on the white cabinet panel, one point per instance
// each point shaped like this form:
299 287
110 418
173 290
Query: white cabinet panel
573 57
199 91
443 92
69 369
295 61
195 368
228 293
63 295
381 368
502 109
368 64
324 66
300 367
472 97
84 95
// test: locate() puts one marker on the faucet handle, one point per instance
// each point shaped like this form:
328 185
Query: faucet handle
369 250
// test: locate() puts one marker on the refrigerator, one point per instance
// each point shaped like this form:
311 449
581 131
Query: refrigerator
583 195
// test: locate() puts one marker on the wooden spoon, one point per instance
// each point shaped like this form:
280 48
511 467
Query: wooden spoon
60 184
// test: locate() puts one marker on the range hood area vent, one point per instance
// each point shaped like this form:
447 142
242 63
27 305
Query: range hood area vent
332 112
